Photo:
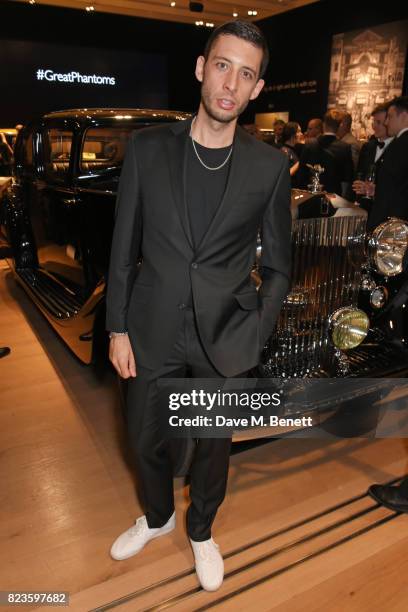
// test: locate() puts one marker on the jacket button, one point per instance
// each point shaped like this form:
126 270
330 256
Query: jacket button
182 306
194 265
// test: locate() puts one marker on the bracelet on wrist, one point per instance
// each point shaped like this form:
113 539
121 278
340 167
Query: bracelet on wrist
114 334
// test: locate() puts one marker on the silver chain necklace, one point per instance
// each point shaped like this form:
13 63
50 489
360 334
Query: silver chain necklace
199 158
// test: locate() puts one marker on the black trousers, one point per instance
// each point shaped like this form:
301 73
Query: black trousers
150 449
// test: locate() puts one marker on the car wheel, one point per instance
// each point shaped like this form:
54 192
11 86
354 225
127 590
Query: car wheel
356 418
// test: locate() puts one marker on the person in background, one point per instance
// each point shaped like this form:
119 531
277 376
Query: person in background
6 156
4 350
300 142
344 134
278 126
392 497
17 127
333 155
254 130
314 130
372 153
3 138
391 183
291 135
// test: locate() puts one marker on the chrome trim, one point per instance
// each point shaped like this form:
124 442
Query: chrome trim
288 567
328 255
384 295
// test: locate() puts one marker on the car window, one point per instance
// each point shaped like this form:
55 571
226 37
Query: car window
102 148
57 151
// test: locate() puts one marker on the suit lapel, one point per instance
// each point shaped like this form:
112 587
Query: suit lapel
236 181
177 153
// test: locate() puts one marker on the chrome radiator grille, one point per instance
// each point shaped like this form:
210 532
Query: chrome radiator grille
327 257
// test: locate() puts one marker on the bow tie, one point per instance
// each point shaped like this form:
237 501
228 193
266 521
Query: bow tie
380 144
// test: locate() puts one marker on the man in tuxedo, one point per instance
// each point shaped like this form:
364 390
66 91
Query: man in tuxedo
330 153
191 200
391 185
372 153
392 497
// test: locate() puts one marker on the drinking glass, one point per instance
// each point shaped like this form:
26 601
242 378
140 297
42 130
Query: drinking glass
370 183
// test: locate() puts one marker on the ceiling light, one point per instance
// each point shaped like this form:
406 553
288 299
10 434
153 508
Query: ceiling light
89 9
172 4
199 23
209 25
252 13
31 1
235 14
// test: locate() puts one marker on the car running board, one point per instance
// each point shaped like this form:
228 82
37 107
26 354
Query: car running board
59 300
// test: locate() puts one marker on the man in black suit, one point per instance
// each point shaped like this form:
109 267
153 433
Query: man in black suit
278 126
191 200
391 185
372 153
330 153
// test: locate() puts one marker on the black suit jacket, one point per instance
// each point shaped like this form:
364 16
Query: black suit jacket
366 158
151 220
335 157
391 188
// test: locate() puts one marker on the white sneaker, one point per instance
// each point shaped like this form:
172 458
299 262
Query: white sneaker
209 564
136 537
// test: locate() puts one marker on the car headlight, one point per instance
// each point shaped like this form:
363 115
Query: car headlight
348 327
387 247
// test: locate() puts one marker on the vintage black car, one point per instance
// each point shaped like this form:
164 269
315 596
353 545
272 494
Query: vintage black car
60 214
345 315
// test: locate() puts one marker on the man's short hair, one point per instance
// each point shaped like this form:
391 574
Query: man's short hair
332 119
279 122
380 108
246 30
347 120
400 103
318 122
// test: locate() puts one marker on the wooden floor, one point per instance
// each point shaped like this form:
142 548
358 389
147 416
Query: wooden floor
297 530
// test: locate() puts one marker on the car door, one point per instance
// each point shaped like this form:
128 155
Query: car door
100 159
57 216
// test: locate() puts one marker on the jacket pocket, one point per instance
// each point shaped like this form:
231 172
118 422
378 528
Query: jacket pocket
248 300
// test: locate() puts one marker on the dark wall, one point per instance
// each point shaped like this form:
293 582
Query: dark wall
59 76
300 44
179 43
